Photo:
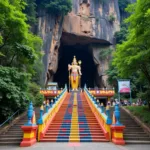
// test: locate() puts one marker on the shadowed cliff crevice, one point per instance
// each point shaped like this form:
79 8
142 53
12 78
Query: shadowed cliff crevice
73 39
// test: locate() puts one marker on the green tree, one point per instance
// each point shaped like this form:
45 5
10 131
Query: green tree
38 69
122 34
112 75
18 45
133 55
35 95
20 50
30 10
13 91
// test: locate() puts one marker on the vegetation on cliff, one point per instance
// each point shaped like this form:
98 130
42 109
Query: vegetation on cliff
123 4
56 7
30 11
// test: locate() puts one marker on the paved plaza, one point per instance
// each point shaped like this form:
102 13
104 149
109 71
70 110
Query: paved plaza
78 146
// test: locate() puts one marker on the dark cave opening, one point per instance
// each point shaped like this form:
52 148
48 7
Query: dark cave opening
88 68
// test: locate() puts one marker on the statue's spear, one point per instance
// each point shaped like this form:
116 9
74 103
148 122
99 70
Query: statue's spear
80 62
69 79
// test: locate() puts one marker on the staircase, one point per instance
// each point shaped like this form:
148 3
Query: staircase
14 135
133 133
74 122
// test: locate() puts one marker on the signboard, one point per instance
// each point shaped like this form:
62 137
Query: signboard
97 92
124 86
52 86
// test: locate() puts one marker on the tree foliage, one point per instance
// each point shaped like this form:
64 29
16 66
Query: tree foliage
105 53
19 46
123 4
133 55
122 34
13 90
56 7
112 75
20 50
34 94
30 11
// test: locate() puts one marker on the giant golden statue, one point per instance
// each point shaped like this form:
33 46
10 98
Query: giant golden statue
75 74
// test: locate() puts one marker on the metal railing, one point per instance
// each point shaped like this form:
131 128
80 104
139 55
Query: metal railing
11 117
57 89
97 89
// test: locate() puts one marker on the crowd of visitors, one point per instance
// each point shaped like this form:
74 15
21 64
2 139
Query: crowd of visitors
126 102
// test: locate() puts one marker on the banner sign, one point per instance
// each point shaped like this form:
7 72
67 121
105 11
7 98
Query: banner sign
124 86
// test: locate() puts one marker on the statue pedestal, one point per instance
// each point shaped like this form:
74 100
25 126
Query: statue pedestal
117 134
29 136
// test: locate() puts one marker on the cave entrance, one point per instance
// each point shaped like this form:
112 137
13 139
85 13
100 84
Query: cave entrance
88 68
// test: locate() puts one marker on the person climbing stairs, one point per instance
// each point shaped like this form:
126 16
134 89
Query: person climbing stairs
74 122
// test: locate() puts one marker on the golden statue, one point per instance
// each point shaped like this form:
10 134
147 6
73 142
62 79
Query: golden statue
74 77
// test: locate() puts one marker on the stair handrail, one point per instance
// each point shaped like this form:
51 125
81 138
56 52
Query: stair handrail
45 119
10 117
103 119
29 128
100 89
113 131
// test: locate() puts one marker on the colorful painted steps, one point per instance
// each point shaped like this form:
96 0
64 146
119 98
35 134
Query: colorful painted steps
74 122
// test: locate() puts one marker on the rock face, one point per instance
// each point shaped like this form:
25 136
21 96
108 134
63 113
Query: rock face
91 22
50 30
94 19
101 63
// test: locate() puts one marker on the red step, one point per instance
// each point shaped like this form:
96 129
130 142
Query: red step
93 132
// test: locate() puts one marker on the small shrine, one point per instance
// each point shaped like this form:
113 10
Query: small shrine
51 90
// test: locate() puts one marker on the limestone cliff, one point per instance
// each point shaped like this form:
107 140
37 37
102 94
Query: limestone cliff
93 19
91 22
50 30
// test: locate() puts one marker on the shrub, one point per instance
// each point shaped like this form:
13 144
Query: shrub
57 7
35 95
39 99
105 53
142 112
111 18
13 91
